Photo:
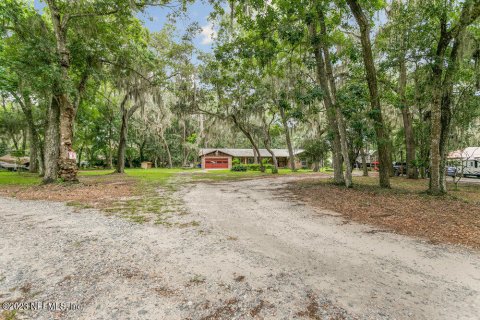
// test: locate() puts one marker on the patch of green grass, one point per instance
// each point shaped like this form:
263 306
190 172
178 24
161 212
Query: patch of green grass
137 218
154 195
198 279
78 205
102 172
9 315
189 224
19 178
155 175
25 178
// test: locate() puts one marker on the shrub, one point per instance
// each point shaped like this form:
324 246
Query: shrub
235 161
239 167
256 167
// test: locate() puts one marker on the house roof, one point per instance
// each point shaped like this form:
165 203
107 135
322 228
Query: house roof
249 152
467 153
8 158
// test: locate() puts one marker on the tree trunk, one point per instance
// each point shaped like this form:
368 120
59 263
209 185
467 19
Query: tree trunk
79 158
26 105
267 140
184 147
446 108
109 156
437 185
122 144
331 114
167 148
15 142
110 151
364 162
442 83
412 172
67 165
34 152
422 130
287 137
24 141
382 138
327 83
252 142
130 161
342 130
52 141
41 163
141 150
274 159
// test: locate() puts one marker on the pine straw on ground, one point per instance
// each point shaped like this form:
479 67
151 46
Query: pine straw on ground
90 191
405 209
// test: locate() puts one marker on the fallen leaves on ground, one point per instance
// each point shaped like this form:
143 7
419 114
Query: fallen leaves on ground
90 191
404 209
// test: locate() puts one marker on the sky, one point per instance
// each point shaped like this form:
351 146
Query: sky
155 18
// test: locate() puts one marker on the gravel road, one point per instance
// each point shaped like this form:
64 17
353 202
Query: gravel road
246 250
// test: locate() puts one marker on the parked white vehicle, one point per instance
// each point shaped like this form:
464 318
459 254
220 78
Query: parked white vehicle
470 168
467 161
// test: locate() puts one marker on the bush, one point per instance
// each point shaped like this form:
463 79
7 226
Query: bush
239 167
235 161
256 167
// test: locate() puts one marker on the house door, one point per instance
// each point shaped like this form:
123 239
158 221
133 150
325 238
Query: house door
216 163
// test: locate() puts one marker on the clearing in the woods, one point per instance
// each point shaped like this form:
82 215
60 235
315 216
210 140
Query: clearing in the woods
190 244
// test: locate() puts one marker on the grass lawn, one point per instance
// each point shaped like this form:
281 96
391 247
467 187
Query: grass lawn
18 178
156 175
151 175
100 172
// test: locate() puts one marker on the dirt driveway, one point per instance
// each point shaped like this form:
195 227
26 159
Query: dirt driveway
246 251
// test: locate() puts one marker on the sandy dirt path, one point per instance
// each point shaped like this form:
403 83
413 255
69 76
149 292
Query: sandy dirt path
371 275
246 251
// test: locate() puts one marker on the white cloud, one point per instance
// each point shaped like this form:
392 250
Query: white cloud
207 34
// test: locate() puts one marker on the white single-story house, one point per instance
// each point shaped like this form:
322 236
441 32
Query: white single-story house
223 158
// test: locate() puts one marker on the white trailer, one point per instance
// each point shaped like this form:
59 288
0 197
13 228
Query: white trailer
467 161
